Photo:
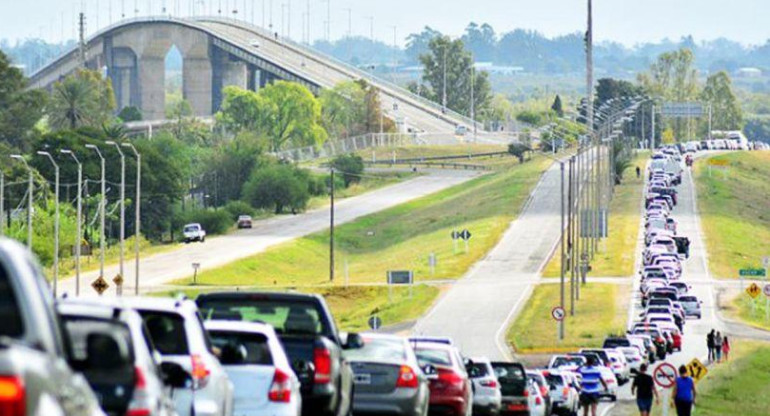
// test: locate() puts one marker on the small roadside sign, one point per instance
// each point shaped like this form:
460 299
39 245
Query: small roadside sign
558 313
697 370
118 280
719 162
455 235
766 290
465 235
752 272
400 277
664 375
753 290
375 322
100 285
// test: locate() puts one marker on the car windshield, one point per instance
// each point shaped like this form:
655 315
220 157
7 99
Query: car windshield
287 317
242 348
11 325
567 361
688 299
479 369
433 356
167 332
191 228
379 349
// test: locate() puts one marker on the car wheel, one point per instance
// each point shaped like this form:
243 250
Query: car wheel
203 240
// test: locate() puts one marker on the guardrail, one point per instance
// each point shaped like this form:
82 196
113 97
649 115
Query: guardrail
441 165
453 157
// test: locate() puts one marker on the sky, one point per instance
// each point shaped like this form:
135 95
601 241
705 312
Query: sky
626 21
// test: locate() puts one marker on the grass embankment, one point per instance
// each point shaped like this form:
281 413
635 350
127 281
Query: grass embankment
371 182
735 211
352 306
498 162
617 253
399 238
602 310
750 311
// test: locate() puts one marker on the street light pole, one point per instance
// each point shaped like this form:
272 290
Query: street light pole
561 201
56 221
30 192
331 230
79 231
138 207
122 210
2 203
103 202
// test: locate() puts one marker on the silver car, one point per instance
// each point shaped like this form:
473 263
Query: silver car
691 306
178 334
487 399
388 378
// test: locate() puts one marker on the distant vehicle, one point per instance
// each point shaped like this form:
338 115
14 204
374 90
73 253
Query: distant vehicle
537 379
35 373
619 365
513 386
255 43
194 232
388 378
451 391
564 392
309 336
612 383
245 221
537 404
256 364
634 357
566 362
461 130
691 305
487 398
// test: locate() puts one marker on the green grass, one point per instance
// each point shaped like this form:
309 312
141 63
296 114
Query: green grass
372 182
751 311
352 306
735 211
616 254
602 310
409 152
398 238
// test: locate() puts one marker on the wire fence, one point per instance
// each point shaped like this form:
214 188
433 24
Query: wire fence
334 148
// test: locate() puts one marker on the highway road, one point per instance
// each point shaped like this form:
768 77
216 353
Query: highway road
475 312
162 268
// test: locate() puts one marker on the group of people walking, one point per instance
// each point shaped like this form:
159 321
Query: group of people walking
718 346
684 392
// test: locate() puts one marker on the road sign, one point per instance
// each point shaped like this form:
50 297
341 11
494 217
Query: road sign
766 290
465 235
375 322
697 370
718 162
753 290
100 285
400 277
455 235
752 272
118 280
664 375
558 313
682 109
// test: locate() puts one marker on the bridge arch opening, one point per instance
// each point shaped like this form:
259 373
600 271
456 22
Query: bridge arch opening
175 103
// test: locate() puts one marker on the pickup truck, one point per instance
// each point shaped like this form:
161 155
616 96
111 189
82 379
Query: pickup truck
307 332
35 377
194 232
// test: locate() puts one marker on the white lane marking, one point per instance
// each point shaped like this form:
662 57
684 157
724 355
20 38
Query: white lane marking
501 345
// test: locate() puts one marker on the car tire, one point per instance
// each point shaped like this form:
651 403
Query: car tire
613 398
203 240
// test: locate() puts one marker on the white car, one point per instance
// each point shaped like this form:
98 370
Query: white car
194 232
256 363
619 365
633 356
565 398
611 381
487 397
567 362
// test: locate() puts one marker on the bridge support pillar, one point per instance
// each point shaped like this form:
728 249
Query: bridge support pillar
152 78
198 85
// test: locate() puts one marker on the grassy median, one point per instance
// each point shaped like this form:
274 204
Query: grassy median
601 311
617 253
399 238
751 311
735 211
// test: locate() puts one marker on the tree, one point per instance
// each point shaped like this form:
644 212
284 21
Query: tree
20 109
417 43
295 115
343 109
610 88
243 110
277 186
81 99
557 106
350 166
130 113
725 109
519 150
482 40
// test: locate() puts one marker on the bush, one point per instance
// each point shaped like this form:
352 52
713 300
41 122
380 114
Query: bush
237 208
130 113
351 166
278 187
518 150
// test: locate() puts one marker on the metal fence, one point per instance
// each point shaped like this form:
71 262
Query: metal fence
333 148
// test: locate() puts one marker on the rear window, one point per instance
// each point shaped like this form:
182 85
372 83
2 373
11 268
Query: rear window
616 342
379 349
11 325
688 299
554 379
508 372
167 332
567 361
293 318
439 357
78 329
242 348
480 370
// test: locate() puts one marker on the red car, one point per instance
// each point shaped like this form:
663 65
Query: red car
450 387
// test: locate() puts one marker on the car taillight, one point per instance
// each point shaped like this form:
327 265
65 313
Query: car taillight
322 361
526 393
538 400
565 392
451 378
407 378
488 383
12 396
543 391
280 389
200 373
139 405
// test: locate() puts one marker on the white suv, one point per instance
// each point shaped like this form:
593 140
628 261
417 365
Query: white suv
178 334
194 232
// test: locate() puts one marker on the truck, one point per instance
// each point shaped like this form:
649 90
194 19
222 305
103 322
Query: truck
194 232
307 331
35 375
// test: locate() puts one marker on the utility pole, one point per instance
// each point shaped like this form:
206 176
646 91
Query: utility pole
56 221
561 243
79 231
443 86
371 28
331 229
82 40
652 136
138 219
102 203
122 210
30 192
473 99
570 236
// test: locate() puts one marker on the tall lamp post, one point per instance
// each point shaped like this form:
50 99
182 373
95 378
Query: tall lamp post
137 205
79 230
102 204
55 221
122 209
30 192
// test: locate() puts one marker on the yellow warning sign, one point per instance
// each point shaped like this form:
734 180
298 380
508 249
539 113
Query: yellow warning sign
719 162
100 285
118 280
754 290
697 370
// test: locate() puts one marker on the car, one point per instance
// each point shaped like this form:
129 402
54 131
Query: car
461 130
537 404
611 392
605 358
487 398
451 392
513 387
194 232
438 340
309 335
691 305
177 332
634 358
681 287
563 391
566 362
615 342
256 363
34 372
245 221
647 345
537 378
127 381
619 365
388 377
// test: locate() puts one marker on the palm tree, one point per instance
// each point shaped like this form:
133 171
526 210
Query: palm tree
70 103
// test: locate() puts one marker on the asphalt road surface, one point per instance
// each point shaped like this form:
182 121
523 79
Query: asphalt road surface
162 268
476 311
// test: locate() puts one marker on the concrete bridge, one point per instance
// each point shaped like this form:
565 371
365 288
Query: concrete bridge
220 52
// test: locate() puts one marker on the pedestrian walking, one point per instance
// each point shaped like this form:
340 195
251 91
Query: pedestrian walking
710 345
638 172
684 393
718 347
725 348
644 389
591 386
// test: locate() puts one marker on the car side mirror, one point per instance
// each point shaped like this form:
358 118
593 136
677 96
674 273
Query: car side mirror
107 351
354 342
174 375
429 370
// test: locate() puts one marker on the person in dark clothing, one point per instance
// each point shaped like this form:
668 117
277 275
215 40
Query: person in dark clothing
687 248
638 172
644 389
684 393
710 344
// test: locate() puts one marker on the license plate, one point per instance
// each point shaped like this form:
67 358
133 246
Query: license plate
513 406
362 379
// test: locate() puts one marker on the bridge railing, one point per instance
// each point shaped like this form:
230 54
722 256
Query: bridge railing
334 148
